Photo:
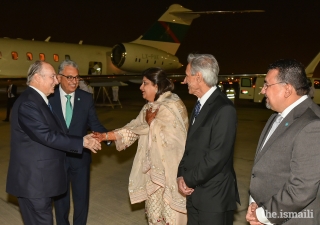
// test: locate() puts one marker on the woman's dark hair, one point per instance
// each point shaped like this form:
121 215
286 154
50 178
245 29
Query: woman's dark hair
158 77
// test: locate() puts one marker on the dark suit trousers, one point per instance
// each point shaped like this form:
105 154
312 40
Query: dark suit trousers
36 211
197 217
79 178
10 103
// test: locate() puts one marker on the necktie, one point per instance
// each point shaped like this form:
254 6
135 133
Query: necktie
275 124
197 109
68 110
49 106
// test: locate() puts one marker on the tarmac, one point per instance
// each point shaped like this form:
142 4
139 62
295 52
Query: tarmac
109 200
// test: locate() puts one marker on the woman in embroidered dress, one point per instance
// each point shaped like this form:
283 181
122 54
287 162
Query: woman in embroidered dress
161 128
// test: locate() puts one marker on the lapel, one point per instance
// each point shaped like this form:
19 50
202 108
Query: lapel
55 102
285 124
76 106
206 108
49 115
265 132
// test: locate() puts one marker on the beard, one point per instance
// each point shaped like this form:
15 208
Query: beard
268 105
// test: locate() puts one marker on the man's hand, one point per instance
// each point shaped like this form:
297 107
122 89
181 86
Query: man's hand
151 115
90 143
183 188
251 216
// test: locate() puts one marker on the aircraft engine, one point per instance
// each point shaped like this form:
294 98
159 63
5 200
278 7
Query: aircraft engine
136 58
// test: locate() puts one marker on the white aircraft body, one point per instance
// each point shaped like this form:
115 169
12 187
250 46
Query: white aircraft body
156 48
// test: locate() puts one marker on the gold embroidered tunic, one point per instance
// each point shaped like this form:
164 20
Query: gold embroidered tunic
160 149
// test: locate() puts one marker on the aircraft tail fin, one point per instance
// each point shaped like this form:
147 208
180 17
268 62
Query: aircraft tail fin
170 29
312 65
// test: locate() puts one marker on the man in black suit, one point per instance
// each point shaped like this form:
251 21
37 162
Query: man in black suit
38 144
83 115
12 96
205 174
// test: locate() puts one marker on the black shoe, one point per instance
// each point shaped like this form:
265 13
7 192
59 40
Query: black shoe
5 120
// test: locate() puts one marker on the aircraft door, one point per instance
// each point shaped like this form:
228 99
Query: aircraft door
95 68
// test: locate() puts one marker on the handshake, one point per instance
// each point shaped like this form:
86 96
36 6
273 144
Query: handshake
92 141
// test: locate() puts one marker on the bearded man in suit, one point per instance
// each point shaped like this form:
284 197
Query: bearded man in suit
285 178
205 174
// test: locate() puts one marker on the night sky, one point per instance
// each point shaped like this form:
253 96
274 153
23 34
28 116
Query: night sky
242 43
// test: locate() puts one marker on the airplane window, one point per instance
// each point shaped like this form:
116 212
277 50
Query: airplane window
14 55
29 56
0 55
155 62
67 57
162 62
42 57
56 57
316 84
136 59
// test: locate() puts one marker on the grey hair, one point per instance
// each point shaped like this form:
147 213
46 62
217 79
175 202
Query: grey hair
67 63
207 65
34 68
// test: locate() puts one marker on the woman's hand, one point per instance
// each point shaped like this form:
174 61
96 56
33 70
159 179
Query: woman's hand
151 115
99 136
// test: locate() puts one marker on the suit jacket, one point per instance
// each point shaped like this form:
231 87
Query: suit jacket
286 171
207 164
13 90
38 146
84 116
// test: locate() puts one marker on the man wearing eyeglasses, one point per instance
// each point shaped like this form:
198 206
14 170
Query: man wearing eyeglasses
285 176
75 108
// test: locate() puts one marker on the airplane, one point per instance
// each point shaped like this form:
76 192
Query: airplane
156 48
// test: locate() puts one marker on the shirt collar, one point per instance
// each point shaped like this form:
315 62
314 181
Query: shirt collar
205 97
292 106
40 93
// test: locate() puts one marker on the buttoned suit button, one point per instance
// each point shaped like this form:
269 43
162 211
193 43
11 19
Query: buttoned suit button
253 176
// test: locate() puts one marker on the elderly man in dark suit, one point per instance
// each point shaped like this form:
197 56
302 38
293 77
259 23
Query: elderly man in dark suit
206 173
76 109
38 148
285 178
12 96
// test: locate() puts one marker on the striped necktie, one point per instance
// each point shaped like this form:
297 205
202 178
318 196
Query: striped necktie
68 110
197 109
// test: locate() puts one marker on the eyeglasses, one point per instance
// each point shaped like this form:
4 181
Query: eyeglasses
71 78
266 86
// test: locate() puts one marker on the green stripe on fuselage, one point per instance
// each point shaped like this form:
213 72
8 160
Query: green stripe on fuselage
159 32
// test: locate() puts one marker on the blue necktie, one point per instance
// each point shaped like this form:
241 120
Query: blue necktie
197 109
68 110
50 107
